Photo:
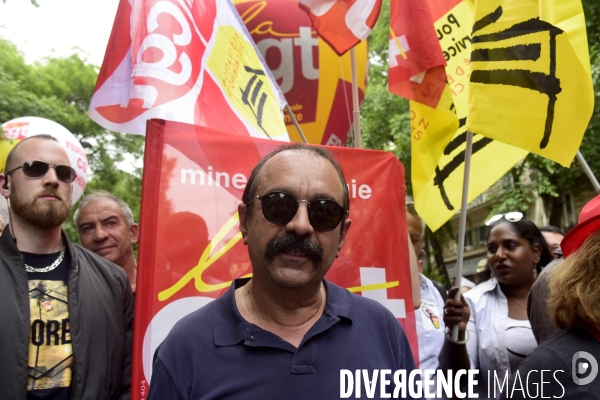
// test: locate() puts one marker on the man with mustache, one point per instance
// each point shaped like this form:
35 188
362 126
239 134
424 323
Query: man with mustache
286 332
105 225
67 313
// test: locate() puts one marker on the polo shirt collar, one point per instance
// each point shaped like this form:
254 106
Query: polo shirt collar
230 326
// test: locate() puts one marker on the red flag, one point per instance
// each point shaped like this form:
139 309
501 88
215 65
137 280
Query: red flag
416 61
187 61
342 23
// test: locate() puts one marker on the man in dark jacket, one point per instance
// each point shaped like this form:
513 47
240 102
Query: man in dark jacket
67 313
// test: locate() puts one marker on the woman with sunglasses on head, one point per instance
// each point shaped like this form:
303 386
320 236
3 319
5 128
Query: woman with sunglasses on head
573 353
494 332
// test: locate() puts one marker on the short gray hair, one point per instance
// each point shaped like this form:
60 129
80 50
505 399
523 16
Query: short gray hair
100 195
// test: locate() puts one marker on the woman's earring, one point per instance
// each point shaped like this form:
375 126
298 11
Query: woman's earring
535 273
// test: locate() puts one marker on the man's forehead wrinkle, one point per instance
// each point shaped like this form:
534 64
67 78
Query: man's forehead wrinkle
95 210
53 152
277 179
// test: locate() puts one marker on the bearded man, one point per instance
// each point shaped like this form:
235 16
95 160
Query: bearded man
67 313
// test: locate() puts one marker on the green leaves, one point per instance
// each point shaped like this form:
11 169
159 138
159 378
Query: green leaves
60 89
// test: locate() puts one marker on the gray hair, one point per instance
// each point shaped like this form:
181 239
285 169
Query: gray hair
102 194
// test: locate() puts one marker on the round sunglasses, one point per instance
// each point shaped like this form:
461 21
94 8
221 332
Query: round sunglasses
37 169
280 208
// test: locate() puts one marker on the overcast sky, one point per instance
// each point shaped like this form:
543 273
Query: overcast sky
56 26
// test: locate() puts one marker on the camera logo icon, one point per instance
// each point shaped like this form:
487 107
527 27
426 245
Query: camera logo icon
581 363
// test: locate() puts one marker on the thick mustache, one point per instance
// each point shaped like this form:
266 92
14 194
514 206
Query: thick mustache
296 245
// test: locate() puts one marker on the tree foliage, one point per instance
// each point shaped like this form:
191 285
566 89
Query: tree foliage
60 89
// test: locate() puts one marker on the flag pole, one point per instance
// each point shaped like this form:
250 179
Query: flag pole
462 225
588 171
291 114
355 106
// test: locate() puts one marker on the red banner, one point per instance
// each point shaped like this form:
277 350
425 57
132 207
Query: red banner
416 61
190 247
342 23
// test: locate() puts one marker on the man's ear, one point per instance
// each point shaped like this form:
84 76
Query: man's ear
243 213
4 188
135 233
343 234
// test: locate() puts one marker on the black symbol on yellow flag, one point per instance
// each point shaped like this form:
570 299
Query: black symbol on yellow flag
479 142
543 83
250 95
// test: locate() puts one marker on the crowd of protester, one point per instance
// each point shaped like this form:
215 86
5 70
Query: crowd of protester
535 303
531 310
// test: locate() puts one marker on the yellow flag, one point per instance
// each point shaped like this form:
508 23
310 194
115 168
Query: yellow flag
530 83
439 136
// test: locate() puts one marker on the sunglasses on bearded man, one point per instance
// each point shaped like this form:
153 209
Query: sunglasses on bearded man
280 208
37 169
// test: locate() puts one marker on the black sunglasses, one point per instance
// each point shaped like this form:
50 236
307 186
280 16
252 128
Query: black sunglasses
37 169
280 208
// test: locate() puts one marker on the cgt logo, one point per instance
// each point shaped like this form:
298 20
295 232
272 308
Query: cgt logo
581 363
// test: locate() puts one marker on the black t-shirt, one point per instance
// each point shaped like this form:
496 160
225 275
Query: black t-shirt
50 367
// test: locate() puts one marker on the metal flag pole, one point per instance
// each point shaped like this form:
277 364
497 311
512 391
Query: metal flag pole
462 224
355 107
291 114
588 172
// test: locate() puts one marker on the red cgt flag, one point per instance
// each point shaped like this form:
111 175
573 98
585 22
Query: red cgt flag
187 61
416 61
342 23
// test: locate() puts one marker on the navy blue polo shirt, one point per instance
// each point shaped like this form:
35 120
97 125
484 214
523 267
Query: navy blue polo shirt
214 353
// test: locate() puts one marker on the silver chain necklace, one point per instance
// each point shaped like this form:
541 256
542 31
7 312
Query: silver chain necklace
50 267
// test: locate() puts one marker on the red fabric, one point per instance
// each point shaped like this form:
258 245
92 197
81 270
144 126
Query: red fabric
595 332
412 26
332 25
589 222
180 219
155 66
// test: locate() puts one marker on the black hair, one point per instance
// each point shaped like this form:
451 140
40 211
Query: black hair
250 190
551 229
530 232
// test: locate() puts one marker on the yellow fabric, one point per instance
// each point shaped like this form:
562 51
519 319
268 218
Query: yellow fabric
435 130
513 101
